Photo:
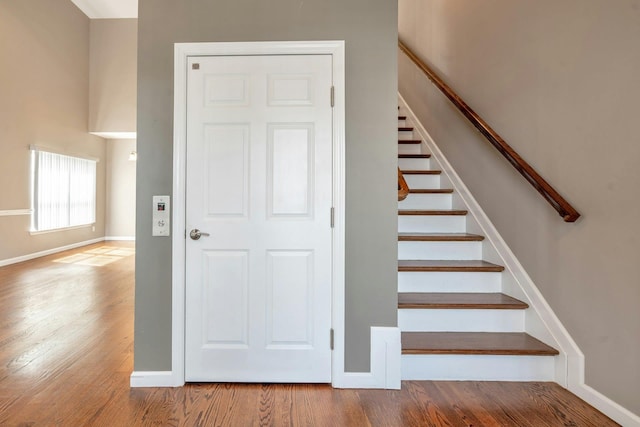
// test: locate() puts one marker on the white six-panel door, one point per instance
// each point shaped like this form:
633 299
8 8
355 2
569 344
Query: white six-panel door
259 183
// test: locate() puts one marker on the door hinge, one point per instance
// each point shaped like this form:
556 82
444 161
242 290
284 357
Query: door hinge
331 338
333 96
195 66
333 211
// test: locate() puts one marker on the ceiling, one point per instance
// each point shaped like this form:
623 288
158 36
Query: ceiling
102 9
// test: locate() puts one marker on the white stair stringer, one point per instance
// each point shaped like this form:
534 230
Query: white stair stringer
506 367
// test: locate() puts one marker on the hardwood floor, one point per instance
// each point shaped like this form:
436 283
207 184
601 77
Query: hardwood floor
66 353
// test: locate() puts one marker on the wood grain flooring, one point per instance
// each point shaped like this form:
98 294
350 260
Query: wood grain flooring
66 343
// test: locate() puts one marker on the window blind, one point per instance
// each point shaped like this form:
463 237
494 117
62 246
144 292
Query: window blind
64 193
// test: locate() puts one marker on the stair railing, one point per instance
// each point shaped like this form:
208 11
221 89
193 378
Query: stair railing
403 188
566 211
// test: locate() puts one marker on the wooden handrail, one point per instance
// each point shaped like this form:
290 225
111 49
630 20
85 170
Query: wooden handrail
403 188
566 211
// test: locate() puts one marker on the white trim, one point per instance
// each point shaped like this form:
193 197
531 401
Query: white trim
121 238
16 212
48 252
152 379
181 54
385 363
571 366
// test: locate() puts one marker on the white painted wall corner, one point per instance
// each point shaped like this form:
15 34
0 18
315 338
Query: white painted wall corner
385 363
153 379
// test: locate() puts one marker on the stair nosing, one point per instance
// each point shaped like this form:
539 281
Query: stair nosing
421 172
464 301
439 237
430 190
433 212
541 348
414 156
449 266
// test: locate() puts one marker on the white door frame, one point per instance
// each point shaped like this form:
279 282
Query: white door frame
182 52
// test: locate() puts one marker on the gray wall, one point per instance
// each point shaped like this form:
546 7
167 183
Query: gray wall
369 28
44 97
559 81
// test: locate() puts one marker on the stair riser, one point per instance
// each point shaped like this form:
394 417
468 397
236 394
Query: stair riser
410 149
440 250
477 368
405 134
402 123
423 164
460 320
432 223
422 181
426 201
409 281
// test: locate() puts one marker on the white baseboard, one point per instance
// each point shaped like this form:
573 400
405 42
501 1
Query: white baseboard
153 379
121 238
48 252
385 363
613 410
385 367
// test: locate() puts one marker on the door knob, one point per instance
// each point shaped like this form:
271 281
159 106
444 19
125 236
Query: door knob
195 234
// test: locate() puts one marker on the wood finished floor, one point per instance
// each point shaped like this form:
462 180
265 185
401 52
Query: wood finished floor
66 353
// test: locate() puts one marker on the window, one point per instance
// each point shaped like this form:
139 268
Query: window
64 191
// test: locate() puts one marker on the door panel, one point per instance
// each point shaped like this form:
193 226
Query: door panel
259 180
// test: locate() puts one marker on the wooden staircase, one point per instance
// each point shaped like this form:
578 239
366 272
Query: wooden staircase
456 323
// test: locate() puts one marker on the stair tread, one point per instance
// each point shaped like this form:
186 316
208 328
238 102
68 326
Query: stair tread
405 128
414 156
402 117
431 190
421 172
410 141
439 237
501 343
432 212
436 300
448 265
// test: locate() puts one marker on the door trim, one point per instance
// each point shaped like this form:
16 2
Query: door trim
182 52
